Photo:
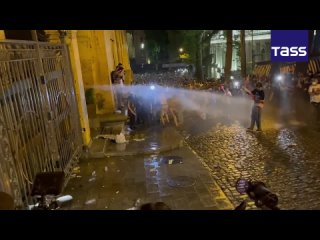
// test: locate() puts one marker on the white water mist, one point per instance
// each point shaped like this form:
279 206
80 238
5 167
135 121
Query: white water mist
212 104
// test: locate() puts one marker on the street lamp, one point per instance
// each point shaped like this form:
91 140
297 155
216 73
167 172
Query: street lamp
181 50
142 46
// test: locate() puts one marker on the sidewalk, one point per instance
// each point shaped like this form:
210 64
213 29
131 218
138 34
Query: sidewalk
176 177
152 140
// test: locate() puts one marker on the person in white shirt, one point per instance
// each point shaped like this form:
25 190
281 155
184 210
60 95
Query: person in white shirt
314 92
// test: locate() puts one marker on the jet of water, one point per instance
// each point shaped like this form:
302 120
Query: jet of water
204 102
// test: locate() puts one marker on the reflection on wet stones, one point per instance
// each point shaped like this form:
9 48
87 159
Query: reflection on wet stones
284 159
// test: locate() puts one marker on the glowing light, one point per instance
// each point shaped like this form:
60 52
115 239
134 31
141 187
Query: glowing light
152 87
181 50
279 77
142 46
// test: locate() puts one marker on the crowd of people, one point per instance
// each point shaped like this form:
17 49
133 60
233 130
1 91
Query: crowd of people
158 98
165 107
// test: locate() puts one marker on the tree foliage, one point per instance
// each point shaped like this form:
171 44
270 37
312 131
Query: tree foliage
190 43
157 44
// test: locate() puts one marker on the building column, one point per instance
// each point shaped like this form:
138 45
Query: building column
2 35
72 43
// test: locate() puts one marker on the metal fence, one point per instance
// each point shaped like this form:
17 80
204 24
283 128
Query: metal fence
39 123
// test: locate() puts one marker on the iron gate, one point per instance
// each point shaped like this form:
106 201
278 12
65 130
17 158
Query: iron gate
39 123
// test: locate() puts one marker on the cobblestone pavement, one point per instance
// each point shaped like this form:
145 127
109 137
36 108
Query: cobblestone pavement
286 156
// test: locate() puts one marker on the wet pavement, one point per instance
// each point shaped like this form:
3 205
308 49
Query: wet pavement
203 172
115 183
145 141
286 156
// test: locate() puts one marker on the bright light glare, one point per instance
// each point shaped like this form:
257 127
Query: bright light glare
279 77
236 84
142 45
152 87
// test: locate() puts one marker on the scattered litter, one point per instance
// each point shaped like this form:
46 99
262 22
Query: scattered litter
106 207
118 170
106 169
108 156
106 136
120 138
73 175
76 170
137 203
170 161
132 208
65 198
138 139
30 207
92 179
117 192
79 176
292 145
103 186
94 173
153 170
91 201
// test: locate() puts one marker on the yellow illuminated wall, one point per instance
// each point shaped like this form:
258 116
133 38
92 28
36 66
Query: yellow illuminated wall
2 36
93 56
